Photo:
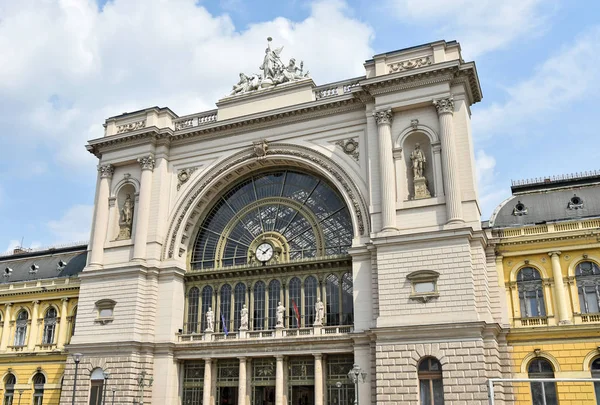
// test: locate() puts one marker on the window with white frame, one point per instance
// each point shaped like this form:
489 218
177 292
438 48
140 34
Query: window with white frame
431 389
542 393
49 326
587 274
21 328
424 285
105 311
9 389
38 388
531 293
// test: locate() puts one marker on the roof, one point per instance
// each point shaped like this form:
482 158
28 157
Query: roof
539 201
43 264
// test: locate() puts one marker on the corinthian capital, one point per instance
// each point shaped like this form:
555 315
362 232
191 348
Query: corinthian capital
147 162
106 171
444 105
383 117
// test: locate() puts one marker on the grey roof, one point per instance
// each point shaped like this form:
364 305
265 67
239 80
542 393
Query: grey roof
48 264
549 202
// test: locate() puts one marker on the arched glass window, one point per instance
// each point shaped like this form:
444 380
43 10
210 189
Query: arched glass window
259 306
21 328
332 292
9 388
531 293
49 326
431 389
595 367
225 307
347 300
239 300
38 388
310 298
274 298
97 386
193 302
542 393
207 295
294 307
308 215
587 275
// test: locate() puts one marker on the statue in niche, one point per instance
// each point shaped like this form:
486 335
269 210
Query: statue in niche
126 221
319 312
244 318
210 320
280 312
418 165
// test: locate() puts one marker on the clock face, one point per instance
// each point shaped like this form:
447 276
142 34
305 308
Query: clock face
264 252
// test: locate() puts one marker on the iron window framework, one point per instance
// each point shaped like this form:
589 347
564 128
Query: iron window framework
587 274
531 293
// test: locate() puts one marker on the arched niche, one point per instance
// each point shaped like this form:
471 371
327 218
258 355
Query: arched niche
418 140
123 211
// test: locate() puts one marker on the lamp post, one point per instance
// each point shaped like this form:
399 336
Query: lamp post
76 358
113 400
105 374
142 384
339 390
356 375
20 393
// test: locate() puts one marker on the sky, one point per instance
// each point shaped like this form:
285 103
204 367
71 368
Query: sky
67 65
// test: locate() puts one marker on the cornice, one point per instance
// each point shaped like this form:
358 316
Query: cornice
39 291
545 238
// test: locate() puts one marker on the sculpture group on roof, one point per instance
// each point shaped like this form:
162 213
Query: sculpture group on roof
274 72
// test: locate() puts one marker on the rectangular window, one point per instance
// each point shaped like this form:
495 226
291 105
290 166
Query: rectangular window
20 334
48 338
96 392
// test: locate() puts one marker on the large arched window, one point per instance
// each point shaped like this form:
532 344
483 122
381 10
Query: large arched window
587 275
207 295
310 298
9 388
38 388
49 326
542 393
225 307
332 296
21 328
239 298
299 214
294 306
193 302
531 293
258 316
347 300
274 298
431 389
97 386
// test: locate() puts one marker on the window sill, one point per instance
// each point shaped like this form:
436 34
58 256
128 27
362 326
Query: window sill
424 297
103 321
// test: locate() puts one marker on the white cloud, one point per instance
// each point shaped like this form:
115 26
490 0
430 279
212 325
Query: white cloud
489 193
71 65
569 75
480 25
74 226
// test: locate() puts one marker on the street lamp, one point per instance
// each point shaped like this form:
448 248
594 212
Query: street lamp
113 401
106 374
356 375
142 384
76 358
339 389
20 393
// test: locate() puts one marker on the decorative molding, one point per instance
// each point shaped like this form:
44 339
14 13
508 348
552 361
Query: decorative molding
132 126
383 117
349 147
260 148
414 124
106 171
410 64
444 105
147 162
184 175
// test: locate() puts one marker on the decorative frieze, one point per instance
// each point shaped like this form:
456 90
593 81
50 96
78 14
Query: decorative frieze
444 105
350 147
147 162
409 64
106 171
132 126
383 117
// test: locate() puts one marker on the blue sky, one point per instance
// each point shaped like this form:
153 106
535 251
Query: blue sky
69 64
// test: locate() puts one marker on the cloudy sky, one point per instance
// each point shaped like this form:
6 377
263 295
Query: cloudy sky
66 65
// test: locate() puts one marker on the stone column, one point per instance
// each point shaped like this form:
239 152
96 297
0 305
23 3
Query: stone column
242 382
318 379
143 208
63 324
445 109
33 331
6 327
279 381
387 182
207 382
564 317
101 217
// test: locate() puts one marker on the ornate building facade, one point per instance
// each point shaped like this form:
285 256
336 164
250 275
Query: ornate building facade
547 238
253 254
38 306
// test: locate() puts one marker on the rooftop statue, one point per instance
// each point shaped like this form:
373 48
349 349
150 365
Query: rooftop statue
274 72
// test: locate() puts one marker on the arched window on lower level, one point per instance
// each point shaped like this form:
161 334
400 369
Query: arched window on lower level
9 388
38 388
96 386
431 388
595 367
587 275
542 393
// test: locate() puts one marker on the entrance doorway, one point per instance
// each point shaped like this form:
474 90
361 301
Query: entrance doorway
228 396
264 395
303 395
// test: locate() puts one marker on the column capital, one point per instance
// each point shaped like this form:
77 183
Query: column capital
106 171
243 359
383 117
147 162
35 302
207 360
318 356
555 253
65 299
444 105
279 357
8 304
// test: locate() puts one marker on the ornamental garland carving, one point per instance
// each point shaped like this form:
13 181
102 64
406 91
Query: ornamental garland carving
444 105
410 64
358 205
350 147
147 162
383 117
184 175
132 126
106 171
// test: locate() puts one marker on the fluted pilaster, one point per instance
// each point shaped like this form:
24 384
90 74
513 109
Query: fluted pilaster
143 215
387 181
564 317
101 217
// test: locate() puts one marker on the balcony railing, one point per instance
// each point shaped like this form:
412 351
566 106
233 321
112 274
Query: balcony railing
587 318
533 321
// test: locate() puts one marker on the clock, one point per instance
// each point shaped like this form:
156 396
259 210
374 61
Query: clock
264 252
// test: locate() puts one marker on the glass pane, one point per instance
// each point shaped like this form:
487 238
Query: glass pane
259 306
537 394
550 391
424 287
438 392
224 322
347 300
193 300
332 310
310 299
294 308
425 392
274 298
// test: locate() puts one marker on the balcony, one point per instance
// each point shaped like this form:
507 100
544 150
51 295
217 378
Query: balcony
587 318
533 321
